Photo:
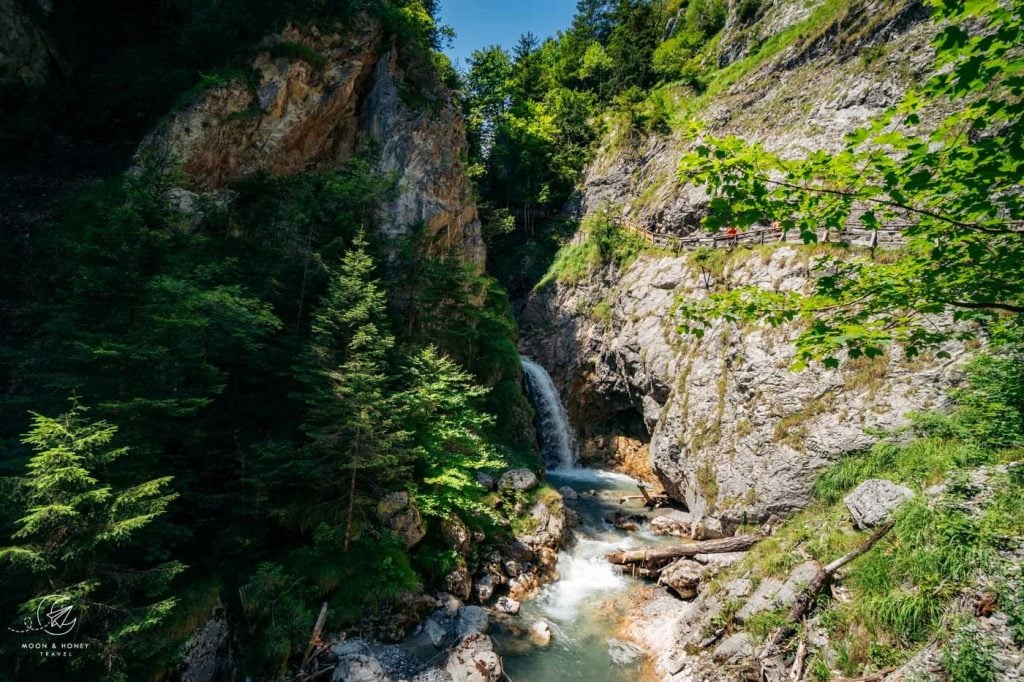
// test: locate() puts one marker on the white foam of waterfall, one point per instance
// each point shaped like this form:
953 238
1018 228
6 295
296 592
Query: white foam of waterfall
558 446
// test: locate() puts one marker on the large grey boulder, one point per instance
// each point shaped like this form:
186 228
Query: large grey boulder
398 513
474 660
734 648
471 620
683 577
518 479
874 501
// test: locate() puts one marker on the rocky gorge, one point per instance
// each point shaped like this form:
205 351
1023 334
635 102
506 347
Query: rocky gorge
349 454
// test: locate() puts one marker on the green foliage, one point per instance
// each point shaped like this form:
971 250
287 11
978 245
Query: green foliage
83 531
951 187
968 656
604 244
450 443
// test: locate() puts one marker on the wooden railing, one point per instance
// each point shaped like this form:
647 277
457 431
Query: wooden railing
887 237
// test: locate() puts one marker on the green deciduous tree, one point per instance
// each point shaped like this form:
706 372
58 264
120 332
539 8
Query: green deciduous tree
444 408
952 186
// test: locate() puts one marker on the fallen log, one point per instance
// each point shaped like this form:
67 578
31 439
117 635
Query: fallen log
651 556
822 579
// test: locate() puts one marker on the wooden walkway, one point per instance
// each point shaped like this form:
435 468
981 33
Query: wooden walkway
888 237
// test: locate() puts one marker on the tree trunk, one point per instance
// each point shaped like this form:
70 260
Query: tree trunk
823 577
351 494
351 507
653 556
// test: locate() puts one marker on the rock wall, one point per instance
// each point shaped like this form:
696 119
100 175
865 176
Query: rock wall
734 432
314 109
837 73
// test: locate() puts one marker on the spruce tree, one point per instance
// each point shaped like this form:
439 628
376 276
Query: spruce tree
83 537
352 423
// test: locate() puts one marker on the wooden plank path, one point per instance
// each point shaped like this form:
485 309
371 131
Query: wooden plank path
887 237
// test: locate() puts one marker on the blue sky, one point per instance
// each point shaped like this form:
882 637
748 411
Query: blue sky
480 23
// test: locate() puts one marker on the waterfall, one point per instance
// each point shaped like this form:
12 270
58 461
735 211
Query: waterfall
557 445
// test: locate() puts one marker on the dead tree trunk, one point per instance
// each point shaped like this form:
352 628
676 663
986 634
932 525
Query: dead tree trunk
650 557
823 577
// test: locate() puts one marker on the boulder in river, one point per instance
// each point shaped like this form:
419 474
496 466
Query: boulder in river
474 660
470 621
673 522
507 605
540 633
873 501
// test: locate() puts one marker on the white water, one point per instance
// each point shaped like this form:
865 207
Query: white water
558 446
581 606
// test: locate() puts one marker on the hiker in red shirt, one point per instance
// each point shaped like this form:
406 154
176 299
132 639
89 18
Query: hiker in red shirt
733 234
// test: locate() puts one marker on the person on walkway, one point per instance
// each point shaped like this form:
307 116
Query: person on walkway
733 234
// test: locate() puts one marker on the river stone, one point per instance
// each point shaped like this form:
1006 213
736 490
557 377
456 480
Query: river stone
399 514
540 633
360 669
471 620
568 493
734 648
483 587
507 605
674 522
622 653
474 660
873 501
683 577
518 479
434 631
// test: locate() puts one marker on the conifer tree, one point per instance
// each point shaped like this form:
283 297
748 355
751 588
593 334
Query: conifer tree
352 422
83 535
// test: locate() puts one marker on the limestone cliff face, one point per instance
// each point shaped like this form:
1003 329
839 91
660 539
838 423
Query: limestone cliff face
314 107
732 431
834 75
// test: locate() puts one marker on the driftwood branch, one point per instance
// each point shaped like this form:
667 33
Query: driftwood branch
315 639
821 580
652 556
